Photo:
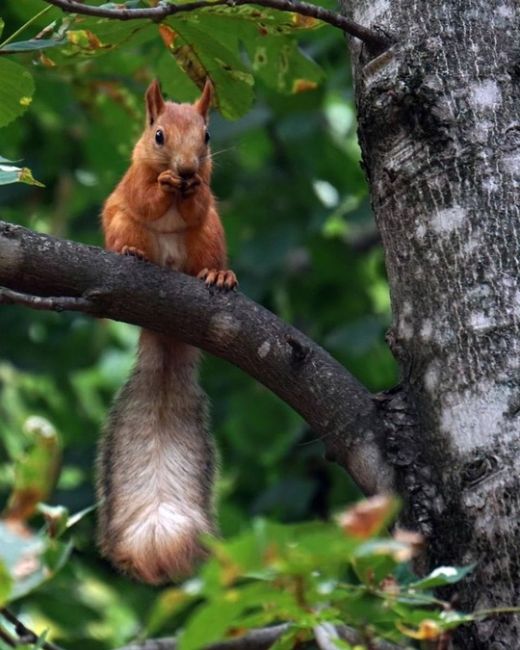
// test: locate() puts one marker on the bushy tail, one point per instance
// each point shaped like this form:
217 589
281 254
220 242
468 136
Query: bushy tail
156 466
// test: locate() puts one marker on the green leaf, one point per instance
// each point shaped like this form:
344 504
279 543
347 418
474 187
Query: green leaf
56 555
32 45
2 24
445 575
12 174
6 584
208 624
281 64
288 640
376 559
201 55
170 602
174 81
16 91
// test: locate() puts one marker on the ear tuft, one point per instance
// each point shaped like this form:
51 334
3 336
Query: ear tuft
154 102
203 104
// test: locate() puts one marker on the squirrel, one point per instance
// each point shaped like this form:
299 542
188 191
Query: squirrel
156 463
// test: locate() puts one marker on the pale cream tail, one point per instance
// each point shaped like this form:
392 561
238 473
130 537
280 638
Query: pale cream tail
156 466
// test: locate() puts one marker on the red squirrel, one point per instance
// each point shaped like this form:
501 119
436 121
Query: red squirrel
156 462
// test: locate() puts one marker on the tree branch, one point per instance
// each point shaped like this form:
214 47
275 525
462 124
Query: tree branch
336 406
374 39
260 639
25 635
263 638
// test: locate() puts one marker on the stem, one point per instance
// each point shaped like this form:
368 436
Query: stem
11 38
495 611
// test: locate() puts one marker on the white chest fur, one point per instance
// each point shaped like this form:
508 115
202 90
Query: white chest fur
169 233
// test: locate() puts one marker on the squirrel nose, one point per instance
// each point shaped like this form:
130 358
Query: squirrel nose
186 171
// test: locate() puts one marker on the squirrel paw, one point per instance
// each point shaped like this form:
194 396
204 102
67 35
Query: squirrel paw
189 185
134 252
168 181
220 279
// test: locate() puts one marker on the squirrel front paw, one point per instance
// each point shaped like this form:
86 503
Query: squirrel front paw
220 279
189 185
168 181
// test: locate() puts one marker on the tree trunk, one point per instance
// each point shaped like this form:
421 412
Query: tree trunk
439 129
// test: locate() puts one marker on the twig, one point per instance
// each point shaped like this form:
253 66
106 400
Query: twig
25 635
47 303
350 635
325 635
7 638
260 639
372 38
263 638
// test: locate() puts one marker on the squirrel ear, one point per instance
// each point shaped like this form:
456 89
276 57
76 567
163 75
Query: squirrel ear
203 104
154 102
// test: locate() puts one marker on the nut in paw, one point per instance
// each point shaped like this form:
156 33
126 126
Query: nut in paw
168 181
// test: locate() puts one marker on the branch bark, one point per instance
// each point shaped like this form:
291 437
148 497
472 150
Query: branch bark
374 39
263 638
337 407
24 634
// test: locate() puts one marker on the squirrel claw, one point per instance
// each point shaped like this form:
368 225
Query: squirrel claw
134 252
221 279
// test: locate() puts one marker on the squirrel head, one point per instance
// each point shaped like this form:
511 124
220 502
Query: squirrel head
176 136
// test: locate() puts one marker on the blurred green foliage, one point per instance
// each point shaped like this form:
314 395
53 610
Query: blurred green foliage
300 235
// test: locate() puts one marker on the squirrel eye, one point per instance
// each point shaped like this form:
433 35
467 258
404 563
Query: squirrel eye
159 136
206 137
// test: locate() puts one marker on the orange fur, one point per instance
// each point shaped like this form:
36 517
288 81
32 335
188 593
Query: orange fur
153 185
156 465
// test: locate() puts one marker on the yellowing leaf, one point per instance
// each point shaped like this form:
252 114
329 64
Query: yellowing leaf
305 22
428 631
368 517
168 35
25 101
302 85
46 61
85 39
27 177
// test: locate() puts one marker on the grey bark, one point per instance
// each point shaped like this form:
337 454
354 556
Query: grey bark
264 638
337 407
439 128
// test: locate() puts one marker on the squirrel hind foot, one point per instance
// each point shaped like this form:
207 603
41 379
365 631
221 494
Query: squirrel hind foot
223 279
159 561
132 251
